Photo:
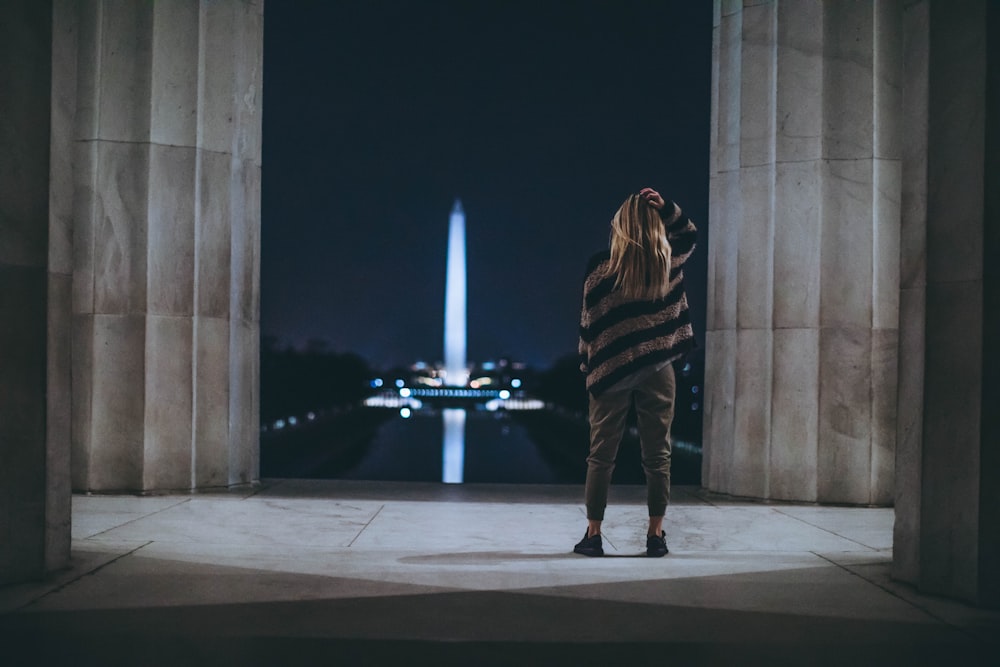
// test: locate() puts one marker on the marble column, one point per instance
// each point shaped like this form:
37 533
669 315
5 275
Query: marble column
948 465
166 170
803 297
34 302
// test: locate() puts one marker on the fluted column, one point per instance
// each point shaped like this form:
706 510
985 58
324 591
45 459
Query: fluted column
802 329
34 302
166 244
946 540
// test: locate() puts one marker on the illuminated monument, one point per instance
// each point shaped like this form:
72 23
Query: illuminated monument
456 371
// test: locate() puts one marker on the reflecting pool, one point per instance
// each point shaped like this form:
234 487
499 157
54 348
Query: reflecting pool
453 445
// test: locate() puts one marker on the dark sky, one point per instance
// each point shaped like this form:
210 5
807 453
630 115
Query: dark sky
540 116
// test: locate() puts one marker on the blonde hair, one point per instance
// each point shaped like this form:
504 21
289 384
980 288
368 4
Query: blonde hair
640 252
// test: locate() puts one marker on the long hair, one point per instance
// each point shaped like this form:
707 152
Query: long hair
640 252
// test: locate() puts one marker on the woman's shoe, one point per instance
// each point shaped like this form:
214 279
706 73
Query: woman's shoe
590 546
656 545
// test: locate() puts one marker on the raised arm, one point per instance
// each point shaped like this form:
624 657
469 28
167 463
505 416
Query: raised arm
681 233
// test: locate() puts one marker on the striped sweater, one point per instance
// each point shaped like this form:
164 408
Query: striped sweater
618 336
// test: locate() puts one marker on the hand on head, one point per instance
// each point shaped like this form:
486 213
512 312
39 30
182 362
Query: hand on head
652 197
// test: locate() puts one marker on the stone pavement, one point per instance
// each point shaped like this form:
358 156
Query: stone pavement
324 572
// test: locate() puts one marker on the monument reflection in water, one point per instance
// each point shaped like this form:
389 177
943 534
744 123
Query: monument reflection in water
455 363
449 388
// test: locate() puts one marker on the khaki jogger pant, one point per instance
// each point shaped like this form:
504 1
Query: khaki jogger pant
654 407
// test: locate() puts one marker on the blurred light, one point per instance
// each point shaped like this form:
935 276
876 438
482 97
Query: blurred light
280 424
405 413
515 383
292 421
405 392
694 406
376 383
311 416
400 384
493 405
504 394
474 384
489 365
694 389
687 368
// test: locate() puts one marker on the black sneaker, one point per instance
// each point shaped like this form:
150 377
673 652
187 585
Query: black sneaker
590 546
656 545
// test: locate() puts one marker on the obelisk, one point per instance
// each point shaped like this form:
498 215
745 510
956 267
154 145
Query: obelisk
456 373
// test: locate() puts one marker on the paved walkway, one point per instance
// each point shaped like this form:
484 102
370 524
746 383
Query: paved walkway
317 572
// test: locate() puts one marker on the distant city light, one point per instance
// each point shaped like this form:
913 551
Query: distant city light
515 383
405 392
400 384
376 383
489 366
311 416
694 389
292 421
694 407
280 424
504 394
405 413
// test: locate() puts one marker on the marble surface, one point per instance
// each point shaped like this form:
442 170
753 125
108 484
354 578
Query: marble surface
213 226
124 54
166 205
797 244
752 418
798 93
211 401
807 233
755 252
174 87
170 240
169 404
757 112
401 562
119 227
848 80
34 291
795 415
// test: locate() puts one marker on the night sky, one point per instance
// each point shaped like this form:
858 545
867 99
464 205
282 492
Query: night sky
540 116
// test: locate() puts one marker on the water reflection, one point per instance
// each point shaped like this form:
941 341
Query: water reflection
453 446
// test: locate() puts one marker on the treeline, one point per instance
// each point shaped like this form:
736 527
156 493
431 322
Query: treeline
295 382
564 385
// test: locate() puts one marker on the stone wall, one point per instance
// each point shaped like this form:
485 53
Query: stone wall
166 251
803 297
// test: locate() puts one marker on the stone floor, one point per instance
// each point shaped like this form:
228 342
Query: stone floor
317 572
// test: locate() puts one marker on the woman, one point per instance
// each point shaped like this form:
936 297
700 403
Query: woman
634 323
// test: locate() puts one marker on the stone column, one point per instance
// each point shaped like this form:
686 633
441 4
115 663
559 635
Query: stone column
34 303
166 244
804 250
948 473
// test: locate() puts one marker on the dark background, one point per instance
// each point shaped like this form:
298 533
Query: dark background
540 116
